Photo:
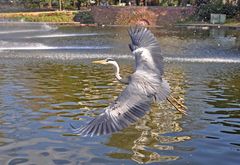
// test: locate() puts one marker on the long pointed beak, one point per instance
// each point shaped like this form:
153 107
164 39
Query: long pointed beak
99 62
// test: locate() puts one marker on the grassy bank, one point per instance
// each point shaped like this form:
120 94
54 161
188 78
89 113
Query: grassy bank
233 21
86 18
54 16
50 16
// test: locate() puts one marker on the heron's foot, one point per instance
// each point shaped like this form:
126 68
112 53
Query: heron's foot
177 104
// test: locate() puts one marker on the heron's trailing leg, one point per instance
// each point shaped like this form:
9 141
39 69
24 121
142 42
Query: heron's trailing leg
178 105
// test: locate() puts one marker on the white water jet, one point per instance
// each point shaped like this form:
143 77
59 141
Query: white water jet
47 27
204 60
65 35
55 48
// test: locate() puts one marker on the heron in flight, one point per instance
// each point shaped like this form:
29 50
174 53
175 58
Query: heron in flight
144 86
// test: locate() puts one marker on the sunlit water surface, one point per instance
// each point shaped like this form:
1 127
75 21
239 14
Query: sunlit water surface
47 81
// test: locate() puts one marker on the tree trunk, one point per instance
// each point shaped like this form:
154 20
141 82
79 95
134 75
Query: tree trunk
145 2
49 4
184 2
79 4
137 2
60 4
179 2
74 3
40 5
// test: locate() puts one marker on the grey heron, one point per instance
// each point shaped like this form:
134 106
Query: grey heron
144 86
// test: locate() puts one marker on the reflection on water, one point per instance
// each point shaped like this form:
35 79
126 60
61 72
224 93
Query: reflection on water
225 97
42 91
147 135
41 99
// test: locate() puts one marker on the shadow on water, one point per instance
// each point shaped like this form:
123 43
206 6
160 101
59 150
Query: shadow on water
42 91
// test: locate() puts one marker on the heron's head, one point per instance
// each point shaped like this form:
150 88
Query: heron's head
105 61
113 63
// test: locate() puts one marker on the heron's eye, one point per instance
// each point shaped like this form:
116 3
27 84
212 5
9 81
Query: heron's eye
109 59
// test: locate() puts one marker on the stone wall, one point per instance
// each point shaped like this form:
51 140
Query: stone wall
150 15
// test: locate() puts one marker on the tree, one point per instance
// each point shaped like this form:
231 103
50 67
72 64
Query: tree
49 4
60 4
80 2
74 3
137 2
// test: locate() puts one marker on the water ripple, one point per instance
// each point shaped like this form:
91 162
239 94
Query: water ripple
39 98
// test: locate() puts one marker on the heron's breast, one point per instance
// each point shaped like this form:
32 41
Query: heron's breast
147 84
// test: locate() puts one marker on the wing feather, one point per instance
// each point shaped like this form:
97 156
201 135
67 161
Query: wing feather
127 109
144 86
141 37
149 61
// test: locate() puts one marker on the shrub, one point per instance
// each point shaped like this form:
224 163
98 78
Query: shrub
230 10
205 10
84 17
49 17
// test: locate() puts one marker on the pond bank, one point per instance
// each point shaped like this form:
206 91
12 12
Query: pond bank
152 16
50 23
208 25
188 26
110 15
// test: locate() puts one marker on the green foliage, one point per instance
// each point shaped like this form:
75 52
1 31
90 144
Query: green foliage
82 1
168 2
51 17
84 17
205 10
230 10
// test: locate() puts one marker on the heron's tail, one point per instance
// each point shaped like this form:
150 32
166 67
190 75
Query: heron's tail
163 93
177 104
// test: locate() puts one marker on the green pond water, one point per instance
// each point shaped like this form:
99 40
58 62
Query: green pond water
47 81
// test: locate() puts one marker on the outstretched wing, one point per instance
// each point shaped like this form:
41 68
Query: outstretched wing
149 60
145 85
128 108
143 39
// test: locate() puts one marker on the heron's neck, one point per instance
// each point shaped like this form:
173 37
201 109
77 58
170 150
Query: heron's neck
117 74
117 71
